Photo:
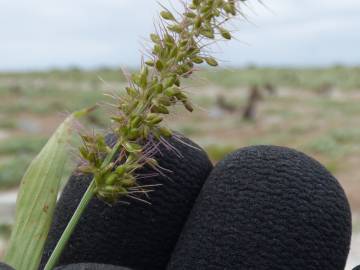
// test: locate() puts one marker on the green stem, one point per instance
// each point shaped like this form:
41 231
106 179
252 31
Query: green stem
88 195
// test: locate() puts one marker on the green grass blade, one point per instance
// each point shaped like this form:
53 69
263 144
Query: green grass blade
37 198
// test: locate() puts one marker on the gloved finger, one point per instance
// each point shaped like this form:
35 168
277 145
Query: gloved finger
90 266
137 235
266 207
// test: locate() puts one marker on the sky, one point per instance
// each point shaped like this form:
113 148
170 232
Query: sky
42 34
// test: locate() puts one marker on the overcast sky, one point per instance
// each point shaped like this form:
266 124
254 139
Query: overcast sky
39 34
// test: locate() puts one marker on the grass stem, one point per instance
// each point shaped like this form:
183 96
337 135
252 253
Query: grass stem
88 195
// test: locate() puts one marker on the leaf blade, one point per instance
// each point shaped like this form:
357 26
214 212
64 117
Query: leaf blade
37 198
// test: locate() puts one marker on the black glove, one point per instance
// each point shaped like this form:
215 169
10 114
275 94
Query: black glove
265 208
357 268
90 266
138 235
4 266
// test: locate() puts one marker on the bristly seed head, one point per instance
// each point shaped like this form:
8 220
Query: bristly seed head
177 48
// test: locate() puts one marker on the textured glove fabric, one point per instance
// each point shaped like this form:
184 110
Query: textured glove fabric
4 266
266 208
90 266
137 235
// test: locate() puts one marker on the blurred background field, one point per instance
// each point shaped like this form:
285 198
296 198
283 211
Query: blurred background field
314 110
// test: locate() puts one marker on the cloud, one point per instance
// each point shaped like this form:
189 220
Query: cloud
41 34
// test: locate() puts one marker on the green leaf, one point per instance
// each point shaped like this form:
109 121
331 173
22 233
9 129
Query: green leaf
37 198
